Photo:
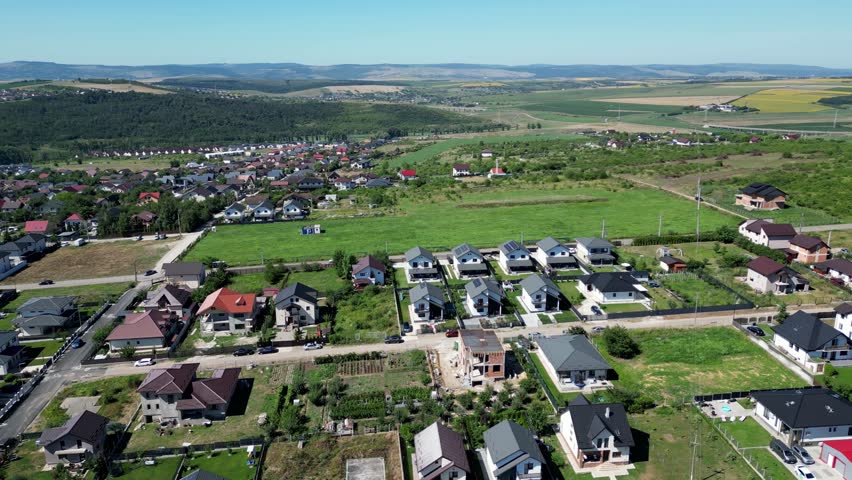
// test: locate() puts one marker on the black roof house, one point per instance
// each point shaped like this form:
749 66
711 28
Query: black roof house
589 420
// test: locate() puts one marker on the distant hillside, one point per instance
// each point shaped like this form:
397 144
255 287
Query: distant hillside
451 71
262 85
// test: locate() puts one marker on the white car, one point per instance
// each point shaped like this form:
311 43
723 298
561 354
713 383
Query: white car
803 472
143 362
313 346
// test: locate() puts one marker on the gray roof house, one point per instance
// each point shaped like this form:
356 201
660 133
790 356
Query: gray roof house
297 304
201 474
512 452
421 265
596 433
595 251
11 351
483 297
806 415
427 302
82 437
514 258
611 287
45 315
190 274
572 359
552 254
468 261
540 294
439 453
811 341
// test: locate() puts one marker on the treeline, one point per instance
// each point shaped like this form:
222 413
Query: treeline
102 120
838 101
261 85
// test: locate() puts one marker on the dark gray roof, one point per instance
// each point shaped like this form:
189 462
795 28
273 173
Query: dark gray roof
299 290
466 248
507 437
58 303
837 264
548 243
669 260
572 352
601 256
202 475
519 263
537 282
85 426
438 441
593 242
480 285
591 419
183 268
764 190
511 246
377 182
7 336
608 282
418 251
423 289
844 308
472 267
809 407
41 321
806 331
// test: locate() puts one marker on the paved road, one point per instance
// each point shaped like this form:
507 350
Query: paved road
66 370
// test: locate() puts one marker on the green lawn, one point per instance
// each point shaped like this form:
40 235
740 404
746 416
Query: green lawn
28 465
569 289
44 348
623 307
232 467
439 223
366 317
118 399
442 146
166 467
747 434
566 316
695 290
770 462
564 398
676 363
323 280
87 294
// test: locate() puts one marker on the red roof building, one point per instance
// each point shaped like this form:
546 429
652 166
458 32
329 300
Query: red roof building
37 226
228 311
408 174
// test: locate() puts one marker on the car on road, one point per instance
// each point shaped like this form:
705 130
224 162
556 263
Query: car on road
241 352
148 273
393 339
783 451
598 329
756 331
313 346
46 282
138 238
265 350
77 343
803 454
804 472
144 362
654 284
452 333
406 328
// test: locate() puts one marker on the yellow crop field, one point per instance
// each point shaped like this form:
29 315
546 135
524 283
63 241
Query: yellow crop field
788 100
482 84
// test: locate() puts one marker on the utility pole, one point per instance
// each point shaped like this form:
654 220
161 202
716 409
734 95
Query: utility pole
835 118
828 242
603 228
698 216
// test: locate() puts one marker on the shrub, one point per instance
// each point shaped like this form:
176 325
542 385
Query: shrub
619 343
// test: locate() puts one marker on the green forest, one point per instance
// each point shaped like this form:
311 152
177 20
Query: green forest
103 120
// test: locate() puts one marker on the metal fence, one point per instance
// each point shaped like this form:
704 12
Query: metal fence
189 449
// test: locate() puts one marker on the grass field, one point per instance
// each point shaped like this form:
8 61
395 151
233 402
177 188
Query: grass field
438 224
365 317
231 466
28 465
93 260
442 146
677 363
118 399
166 467
325 457
324 281
747 434
131 163
770 462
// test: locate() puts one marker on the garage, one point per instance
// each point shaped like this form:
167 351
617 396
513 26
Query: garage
836 454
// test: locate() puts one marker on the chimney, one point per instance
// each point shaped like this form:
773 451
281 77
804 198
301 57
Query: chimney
607 413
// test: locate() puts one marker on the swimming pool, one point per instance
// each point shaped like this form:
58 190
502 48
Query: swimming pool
725 409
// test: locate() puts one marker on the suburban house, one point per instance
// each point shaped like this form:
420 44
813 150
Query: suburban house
228 311
46 315
843 319
427 302
807 338
174 393
514 258
483 296
768 276
776 236
672 264
539 294
74 222
486 154
148 197
143 331
82 437
461 170
804 416
11 351
838 269
481 356
368 271
294 209
596 433
420 264
265 212
41 227
296 305
144 219
807 249
407 175
595 251
190 274
761 196
611 287
235 213
170 299
512 452
439 454
572 359
553 255
468 261
837 454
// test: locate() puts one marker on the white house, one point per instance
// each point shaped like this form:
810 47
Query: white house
368 271
141 331
420 265
483 297
836 268
539 294
514 258
228 311
611 287
804 416
553 254
235 213
468 261
810 341
427 303
595 251
461 170
264 212
439 454
511 452
296 305
596 434
765 275
11 351
764 232
843 319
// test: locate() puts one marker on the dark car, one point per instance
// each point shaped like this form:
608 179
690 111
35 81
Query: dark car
783 451
394 339
148 273
406 327
653 284
46 282
241 352
265 350
596 310
803 454
756 331
77 343
452 333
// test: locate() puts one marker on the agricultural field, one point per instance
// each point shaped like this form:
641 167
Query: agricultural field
437 222
434 149
675 364
788 100
398 370
93 260
134 164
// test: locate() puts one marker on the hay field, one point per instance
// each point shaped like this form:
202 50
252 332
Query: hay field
674 101
114 87
364 88
782 100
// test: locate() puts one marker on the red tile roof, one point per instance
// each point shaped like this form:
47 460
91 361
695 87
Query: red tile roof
36 226
137 326
228 301
174 380
74 217
408 173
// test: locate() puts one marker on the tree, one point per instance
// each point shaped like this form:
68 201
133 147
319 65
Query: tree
726 234
782 313
274 272
619 343
298 335
128 352
537 420
291 419
101 334
577 330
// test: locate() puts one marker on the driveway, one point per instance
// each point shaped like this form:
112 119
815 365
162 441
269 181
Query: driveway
820 470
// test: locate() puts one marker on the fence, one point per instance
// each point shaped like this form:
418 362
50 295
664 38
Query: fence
189 449
744 453
530 368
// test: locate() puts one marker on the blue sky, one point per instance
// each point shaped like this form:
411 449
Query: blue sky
322 32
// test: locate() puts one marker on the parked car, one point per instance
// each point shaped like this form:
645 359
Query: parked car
394 339
804 472
46 282
148 273
265 350
572 250
406 328
598 329
313 346
596 310
783 451
654 284
144 362
803 454
241 352
77 343
756 331
452 333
